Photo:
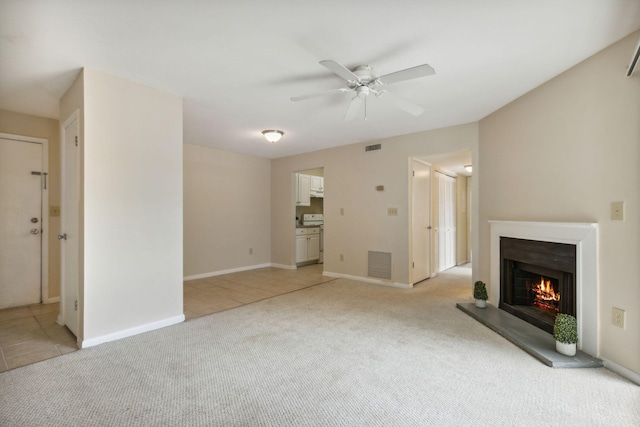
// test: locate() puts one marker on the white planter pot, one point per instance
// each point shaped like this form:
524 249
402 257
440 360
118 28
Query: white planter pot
566 349
481 303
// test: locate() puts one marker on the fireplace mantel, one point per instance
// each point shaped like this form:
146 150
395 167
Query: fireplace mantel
585 237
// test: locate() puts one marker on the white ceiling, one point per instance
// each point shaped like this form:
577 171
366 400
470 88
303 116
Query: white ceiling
236 63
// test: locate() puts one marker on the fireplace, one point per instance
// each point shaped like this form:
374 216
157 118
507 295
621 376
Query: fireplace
584 236
537 280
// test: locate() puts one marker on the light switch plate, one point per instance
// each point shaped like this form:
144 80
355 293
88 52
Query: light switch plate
617 211
392 211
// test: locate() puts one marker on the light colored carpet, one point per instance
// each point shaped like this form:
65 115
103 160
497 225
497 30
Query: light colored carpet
338 354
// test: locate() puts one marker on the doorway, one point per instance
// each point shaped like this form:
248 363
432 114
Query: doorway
449 207
23 234
308 208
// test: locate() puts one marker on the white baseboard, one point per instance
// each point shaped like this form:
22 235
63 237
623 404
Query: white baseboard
52 300
622 371
221 272
131 332
367 280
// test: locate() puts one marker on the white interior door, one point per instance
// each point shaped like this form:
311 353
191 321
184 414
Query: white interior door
421 221
21 183
69 226
446 232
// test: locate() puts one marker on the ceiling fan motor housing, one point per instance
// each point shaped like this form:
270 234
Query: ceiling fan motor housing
365 73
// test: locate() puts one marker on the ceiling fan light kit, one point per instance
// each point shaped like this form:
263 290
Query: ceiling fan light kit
364 81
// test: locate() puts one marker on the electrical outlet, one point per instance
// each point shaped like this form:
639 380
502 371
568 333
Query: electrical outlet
250 251
392 211
617 317
341 257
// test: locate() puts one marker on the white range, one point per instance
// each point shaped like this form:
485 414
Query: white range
316 220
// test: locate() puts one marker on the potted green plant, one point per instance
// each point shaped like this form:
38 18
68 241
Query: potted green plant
480 294
565 331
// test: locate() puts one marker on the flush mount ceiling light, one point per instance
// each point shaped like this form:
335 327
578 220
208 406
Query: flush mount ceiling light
469 168
272 135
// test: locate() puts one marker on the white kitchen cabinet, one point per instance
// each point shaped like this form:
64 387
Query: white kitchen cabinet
303 189
307 244
317 186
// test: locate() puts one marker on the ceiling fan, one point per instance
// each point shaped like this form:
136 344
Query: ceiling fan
363 81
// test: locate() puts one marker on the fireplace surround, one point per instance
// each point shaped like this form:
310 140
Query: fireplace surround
584 237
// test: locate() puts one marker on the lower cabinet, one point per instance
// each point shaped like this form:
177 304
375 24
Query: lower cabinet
307 244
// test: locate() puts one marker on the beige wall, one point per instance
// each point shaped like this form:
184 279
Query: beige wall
227 210
49 129
131 175
351 176
564 152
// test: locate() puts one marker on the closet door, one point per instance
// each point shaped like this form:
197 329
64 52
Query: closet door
446 212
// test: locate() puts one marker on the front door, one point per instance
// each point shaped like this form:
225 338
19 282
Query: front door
21 188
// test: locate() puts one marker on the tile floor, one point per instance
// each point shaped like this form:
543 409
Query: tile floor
213 294
30 334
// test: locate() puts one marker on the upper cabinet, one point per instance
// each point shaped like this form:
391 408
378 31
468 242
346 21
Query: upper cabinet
303 189
317 186
308 186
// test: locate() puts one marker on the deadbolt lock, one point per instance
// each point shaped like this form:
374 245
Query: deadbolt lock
34 220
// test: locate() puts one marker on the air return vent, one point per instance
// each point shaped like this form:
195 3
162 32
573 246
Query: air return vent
373 147
379 265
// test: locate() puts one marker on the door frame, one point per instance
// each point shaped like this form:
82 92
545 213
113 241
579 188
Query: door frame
44 200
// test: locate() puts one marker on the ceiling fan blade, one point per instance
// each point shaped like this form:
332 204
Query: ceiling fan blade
340 70
353 109
403 104
319 94
408 74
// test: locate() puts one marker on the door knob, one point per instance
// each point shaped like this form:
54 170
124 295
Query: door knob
35 231
62 236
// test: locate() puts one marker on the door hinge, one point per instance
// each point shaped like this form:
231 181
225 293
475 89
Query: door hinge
76 141
413 265
76 306
43 174
414 173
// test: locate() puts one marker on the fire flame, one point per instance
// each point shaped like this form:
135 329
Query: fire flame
545 294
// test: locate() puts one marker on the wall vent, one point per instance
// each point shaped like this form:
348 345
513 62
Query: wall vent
373 147
379 265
